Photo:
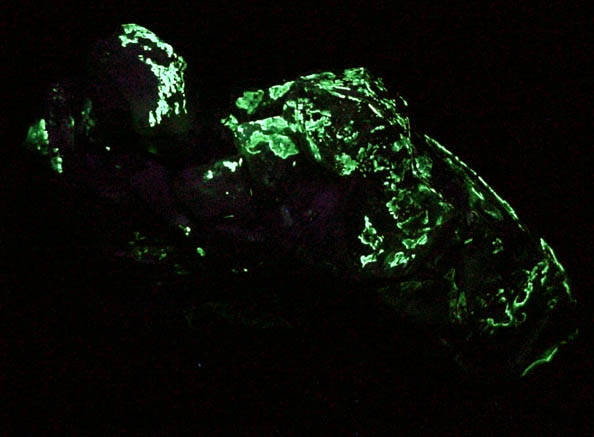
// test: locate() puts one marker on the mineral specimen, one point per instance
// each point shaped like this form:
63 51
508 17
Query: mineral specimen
149 75
328 171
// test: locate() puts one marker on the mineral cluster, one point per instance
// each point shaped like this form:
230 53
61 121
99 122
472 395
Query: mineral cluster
329 171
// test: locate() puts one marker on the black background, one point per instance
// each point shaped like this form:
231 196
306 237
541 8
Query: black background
92 345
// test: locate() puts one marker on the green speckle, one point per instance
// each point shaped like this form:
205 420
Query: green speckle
200 251
497 246
180 270
423 166
86 121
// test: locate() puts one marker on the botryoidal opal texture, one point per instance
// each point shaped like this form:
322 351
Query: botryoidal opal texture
329 171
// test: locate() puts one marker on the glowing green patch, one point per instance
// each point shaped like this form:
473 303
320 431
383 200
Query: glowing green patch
412 243
200 251
346 163
512 311
171 85
232 165
399 259
549 251
250 101
133 33
277 91
56 161
546 358
170 77
38 138
423 166
366 259
280 145
369 235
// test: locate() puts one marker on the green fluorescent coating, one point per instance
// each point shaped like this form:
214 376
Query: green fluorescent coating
38 140
548 356
277 91
514 316
366 259
271 133
282 146
370 237
490 190
232 165
171 83
56 160
250 101
186 229
399 259
170 78
549 251
347 164
134 32
346 124
200 251
209 175
38 137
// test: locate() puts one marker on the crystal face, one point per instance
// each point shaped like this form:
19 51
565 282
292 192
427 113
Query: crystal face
328 169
